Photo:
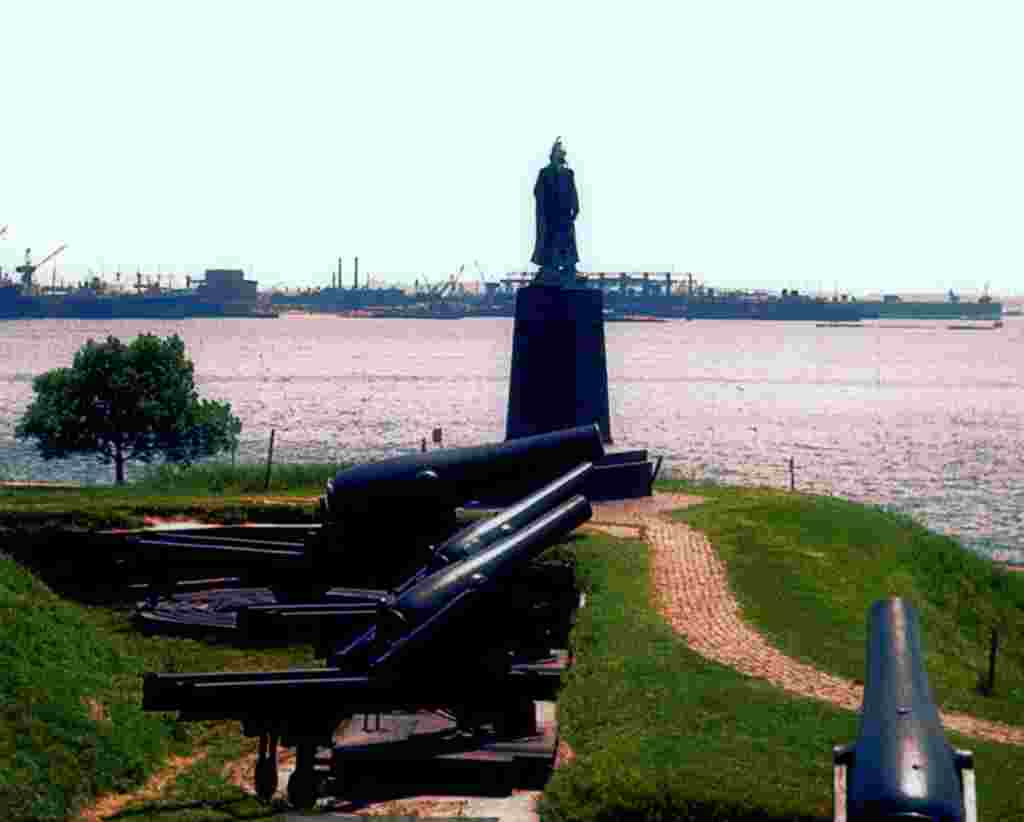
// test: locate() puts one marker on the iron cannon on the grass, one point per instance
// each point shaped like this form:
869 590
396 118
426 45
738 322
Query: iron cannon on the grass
446 642
901 767
546 592
378 524
381 525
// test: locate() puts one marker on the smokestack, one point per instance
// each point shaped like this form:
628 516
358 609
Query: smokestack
355 276
339 274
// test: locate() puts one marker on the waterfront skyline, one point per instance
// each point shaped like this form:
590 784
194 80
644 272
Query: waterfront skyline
790 145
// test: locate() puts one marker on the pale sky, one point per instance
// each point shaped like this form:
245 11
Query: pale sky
873 145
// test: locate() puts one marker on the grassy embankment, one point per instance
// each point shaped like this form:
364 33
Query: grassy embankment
659 732
806 569
70 681
663 734
214 492
71 691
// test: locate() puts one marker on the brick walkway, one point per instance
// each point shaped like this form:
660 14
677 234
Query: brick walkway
691 591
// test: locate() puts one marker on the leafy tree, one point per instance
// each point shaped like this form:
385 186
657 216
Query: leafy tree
127 402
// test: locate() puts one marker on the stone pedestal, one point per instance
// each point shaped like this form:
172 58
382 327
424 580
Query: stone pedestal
559 370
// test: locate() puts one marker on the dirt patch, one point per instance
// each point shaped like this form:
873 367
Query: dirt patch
565 754
619 531
173 522
241 772
280 500
419 806
113 803
97 713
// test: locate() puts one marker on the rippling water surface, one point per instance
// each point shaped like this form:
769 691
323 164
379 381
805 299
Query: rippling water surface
919 417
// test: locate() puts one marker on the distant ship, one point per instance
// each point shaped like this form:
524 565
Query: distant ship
709 304
223 293
892 307
790 306
657 295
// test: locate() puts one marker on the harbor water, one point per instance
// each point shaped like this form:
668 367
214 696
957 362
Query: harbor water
914 416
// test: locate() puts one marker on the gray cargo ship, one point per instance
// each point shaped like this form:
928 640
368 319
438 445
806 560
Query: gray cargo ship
893 307
222 293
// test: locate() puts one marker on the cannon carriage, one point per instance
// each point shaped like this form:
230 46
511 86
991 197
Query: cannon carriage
381 525
420 649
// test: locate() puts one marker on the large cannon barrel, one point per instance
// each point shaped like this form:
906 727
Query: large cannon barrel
420 612
454 476
340 608
901 764
407 621
477 537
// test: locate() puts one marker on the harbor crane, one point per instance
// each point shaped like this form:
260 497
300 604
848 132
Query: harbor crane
29 268
454 283
433 291
487 288
439 292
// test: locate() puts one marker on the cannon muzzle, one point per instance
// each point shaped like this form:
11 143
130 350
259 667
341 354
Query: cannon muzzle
901 766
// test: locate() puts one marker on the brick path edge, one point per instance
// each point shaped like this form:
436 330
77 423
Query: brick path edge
690 589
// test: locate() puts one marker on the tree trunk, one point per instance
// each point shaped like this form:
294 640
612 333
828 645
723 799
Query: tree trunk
118 464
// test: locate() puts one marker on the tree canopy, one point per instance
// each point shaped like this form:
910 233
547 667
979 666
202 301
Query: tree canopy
127 402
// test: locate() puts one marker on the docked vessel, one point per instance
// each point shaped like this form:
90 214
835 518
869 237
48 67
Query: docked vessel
892 307
660 295
223 293
790 306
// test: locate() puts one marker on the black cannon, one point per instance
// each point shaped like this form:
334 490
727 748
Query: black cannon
445 643
901 766
341 610
297 609
379 523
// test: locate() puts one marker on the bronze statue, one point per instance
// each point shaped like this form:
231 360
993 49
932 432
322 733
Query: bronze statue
557 207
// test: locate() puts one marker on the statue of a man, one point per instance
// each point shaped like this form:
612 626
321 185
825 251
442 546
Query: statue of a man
557 207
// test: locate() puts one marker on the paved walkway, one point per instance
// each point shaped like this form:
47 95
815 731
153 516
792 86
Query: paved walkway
691 591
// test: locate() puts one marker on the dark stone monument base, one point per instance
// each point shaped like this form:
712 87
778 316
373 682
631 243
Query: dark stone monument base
625 475
560 380
559 373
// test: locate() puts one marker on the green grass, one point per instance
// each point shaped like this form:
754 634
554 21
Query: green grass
214 492
227 479
60 663
806 570
662 734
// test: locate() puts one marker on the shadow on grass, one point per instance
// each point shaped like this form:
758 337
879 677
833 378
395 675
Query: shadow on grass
246 807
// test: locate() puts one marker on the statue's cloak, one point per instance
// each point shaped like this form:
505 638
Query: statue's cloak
557 207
